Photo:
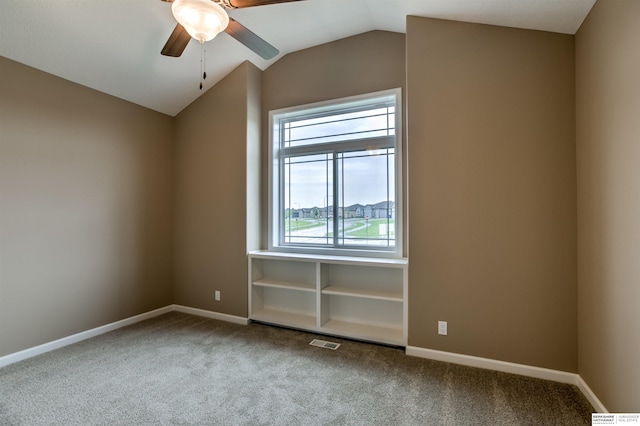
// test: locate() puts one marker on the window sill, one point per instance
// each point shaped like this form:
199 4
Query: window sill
386 261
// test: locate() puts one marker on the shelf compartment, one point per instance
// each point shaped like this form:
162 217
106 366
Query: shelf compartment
366 313
293 274
291 319
393 296
375 333
284 305
363 281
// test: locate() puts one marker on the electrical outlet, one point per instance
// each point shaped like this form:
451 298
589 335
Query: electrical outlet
442 328
217 295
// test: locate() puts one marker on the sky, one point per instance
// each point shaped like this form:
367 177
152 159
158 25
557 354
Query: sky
365 176
365 181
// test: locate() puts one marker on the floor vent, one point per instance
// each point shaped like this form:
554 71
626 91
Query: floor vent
325 344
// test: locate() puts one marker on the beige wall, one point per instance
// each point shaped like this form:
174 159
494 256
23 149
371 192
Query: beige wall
88 212
492 195
355 65
211 203
608 151
85 208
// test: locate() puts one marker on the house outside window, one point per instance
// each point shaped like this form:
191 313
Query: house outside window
335 177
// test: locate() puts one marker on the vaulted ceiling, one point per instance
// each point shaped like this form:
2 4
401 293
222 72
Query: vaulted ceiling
114 45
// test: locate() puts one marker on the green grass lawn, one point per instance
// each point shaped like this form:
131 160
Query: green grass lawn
372 230
354 226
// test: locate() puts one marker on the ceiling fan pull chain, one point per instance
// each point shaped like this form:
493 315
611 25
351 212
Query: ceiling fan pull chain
204 67
202 74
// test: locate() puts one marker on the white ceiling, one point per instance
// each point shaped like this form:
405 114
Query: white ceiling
114 45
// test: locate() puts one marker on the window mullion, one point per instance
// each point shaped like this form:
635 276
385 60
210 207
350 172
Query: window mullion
284 201
336 223
351 145
388 203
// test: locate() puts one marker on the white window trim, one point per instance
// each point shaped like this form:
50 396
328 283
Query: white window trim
274 180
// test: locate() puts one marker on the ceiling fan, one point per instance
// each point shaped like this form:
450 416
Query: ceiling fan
204 19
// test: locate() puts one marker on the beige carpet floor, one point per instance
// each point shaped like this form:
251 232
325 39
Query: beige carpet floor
179 369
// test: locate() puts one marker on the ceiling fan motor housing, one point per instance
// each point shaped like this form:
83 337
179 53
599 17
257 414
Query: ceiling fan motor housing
203 19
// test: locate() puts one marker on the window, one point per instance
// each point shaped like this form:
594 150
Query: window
335 177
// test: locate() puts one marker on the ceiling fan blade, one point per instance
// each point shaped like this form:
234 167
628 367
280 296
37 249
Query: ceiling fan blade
238 4
177 42
250 39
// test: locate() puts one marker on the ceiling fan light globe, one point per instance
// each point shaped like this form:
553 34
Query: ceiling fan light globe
203 19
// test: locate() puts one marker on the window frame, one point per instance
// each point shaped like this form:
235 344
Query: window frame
276 170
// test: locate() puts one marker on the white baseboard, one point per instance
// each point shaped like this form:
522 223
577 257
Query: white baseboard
510 367
210 314
591 397
78 337
492 364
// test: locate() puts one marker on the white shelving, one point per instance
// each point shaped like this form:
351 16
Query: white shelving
284 284
355 297
395 296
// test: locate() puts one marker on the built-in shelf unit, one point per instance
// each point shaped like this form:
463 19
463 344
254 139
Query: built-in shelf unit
355 297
